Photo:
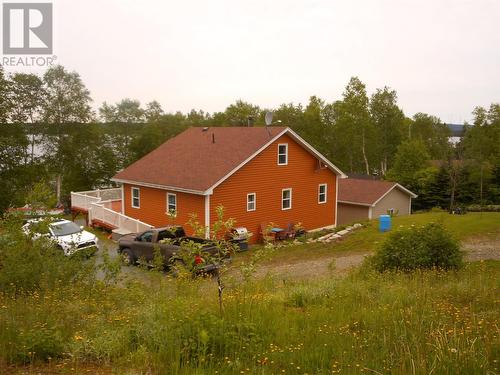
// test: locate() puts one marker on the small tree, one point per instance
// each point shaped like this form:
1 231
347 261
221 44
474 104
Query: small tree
194 255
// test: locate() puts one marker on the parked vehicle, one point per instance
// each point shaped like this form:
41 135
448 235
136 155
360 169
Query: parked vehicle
457 210
169 240
66 235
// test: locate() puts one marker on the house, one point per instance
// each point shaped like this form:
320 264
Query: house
258 174
362 199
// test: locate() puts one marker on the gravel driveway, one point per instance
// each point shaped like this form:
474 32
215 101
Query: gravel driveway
476 249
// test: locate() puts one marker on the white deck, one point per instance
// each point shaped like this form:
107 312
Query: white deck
98 205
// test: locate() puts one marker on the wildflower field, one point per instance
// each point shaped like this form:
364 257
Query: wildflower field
368 322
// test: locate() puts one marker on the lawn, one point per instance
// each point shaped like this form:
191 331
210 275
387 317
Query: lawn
419 323
366 240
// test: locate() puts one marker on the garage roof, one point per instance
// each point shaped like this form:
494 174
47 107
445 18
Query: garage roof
367 192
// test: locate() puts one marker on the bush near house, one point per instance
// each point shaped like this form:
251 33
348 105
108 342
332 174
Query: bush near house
423 247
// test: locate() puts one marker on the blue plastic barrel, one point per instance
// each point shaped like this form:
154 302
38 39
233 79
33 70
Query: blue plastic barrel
384 223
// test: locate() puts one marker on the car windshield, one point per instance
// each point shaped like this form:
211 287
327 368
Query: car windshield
65 229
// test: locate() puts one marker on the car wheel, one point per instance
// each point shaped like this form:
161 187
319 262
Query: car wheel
127 257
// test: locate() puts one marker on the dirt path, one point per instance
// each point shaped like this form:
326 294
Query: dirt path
476 249
332 265
482 248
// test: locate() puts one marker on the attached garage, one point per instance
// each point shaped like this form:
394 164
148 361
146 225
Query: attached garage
361 199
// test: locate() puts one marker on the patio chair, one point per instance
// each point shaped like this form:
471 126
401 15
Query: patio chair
288 233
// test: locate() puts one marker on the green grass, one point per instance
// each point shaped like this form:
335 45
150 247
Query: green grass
367 239
445 323
420 323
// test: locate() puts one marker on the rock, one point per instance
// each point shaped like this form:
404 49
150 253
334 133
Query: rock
349 228
357 225
343 232
325 237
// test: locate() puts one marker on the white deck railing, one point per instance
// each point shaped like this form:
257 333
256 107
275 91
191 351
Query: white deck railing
83 199
98 204
105 215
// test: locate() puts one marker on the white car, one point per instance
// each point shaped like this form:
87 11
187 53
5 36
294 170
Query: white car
66 234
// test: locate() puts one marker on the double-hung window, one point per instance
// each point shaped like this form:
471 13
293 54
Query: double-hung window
322 193
171 202
251 202
136 197
286 199
283 154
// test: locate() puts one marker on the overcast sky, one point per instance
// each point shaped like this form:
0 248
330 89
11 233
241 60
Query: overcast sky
442 57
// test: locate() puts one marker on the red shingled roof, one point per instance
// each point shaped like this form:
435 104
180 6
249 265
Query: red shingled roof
193 161
364 191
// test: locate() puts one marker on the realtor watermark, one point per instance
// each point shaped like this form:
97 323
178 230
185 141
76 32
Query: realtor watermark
27 29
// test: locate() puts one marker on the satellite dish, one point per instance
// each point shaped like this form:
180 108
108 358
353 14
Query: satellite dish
269 118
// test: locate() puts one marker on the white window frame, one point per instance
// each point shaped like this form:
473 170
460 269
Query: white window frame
138 197
285 154
168 201
325 193
254 202
283 199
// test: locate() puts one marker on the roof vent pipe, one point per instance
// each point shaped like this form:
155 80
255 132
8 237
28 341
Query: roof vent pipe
250 121
213 138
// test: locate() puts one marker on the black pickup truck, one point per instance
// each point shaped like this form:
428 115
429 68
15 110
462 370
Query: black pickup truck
140 246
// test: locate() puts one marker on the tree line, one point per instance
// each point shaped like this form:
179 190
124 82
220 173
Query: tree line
49 132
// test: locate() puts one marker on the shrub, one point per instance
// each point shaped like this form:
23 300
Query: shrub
487 208
27 265
426 247
40 343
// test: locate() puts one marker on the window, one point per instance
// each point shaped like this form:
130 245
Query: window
146 237
322 193
251 202
283 154
171 202
136 197
286 199
165 234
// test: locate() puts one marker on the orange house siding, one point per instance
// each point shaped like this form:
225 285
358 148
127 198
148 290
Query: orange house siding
263 176
153 206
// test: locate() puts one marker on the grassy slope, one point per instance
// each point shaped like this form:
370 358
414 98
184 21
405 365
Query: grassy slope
366 239
444 323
